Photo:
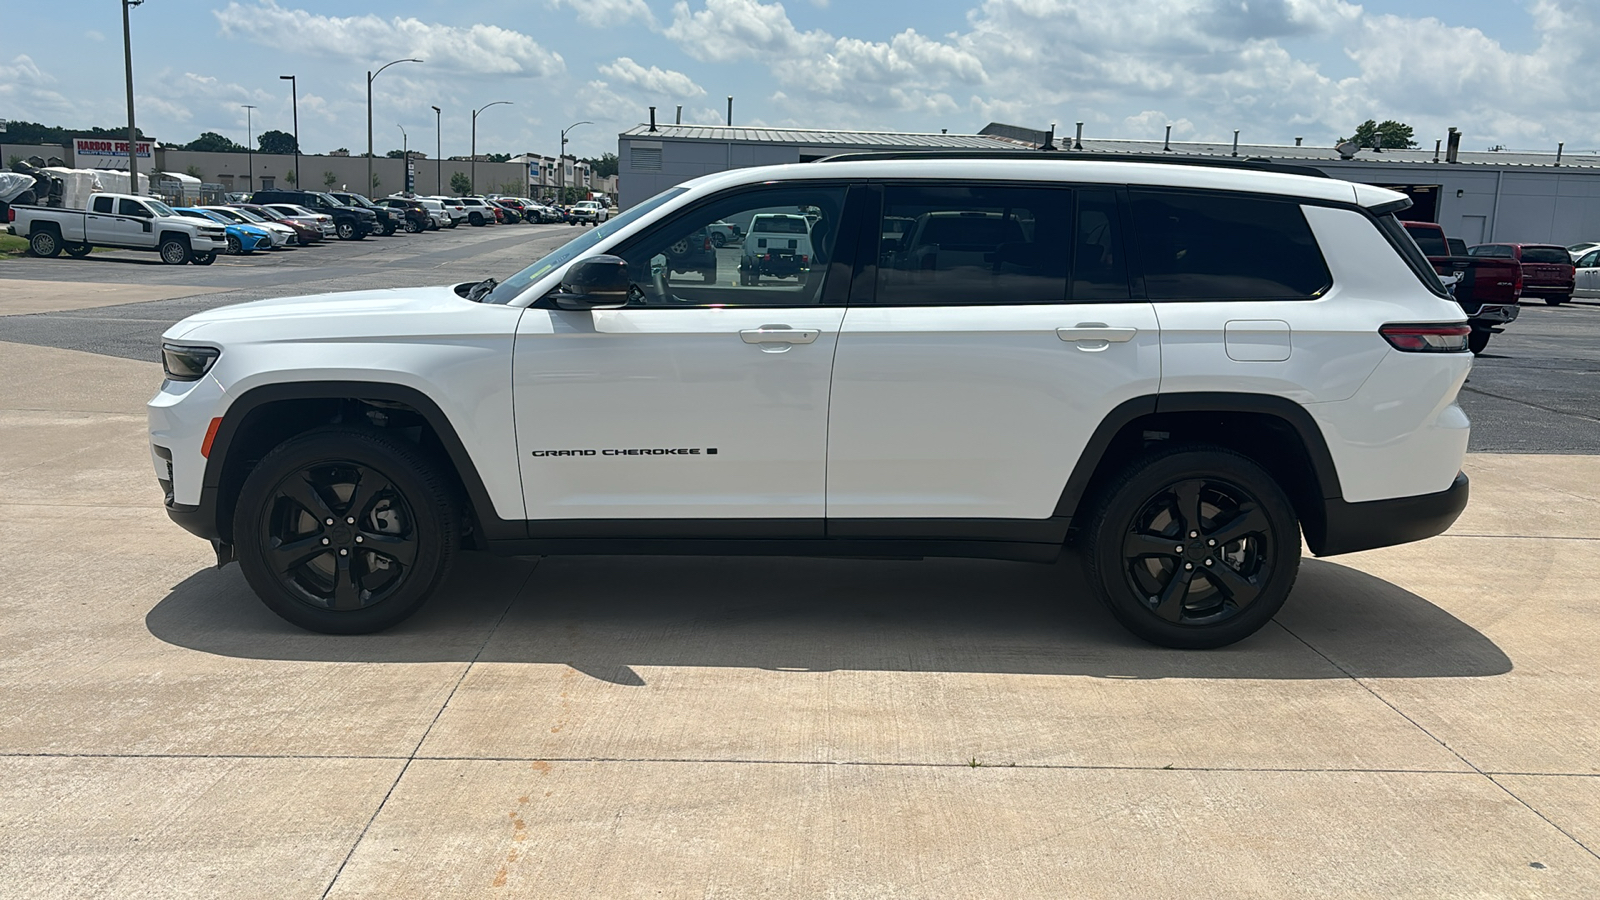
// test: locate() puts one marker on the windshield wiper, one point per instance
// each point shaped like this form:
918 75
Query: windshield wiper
481 290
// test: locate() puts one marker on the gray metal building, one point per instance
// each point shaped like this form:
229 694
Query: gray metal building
1481 196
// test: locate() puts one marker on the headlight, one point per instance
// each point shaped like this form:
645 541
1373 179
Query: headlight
187 363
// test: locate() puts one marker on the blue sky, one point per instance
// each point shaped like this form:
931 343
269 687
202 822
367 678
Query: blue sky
1513 72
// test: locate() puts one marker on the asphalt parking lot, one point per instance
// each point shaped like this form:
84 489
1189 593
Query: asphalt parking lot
1420 721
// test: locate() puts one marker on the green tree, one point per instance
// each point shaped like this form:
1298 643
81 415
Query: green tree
396 154
604 166
193 172
289 177
276 142
375 181
329 179
12 162
498 157
211 142
1388 135
460 183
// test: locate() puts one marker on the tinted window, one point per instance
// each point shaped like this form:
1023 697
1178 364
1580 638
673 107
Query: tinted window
132 208
1099 263
1224 247
955 244
1494 250
103 204
1546 255
1431 242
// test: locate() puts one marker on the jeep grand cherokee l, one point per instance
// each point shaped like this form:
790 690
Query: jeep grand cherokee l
1182 369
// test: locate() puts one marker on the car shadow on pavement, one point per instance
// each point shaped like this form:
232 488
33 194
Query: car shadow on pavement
604 615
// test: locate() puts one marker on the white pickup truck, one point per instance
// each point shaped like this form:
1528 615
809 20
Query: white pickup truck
122 221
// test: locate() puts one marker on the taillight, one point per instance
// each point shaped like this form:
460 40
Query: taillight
1516 286
11 214
1448 337
708 244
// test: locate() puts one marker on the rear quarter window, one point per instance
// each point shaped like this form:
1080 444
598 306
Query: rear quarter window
1213 246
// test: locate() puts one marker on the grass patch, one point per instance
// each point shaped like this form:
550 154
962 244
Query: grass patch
11 245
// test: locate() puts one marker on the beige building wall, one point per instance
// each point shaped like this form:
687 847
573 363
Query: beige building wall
234 172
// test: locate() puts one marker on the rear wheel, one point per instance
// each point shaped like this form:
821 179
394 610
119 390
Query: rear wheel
1558 299
76 251
174 251
476 219
413 226
44 243
1478 340
1193 547
345 531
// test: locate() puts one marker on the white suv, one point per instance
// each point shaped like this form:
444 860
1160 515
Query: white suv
1181 368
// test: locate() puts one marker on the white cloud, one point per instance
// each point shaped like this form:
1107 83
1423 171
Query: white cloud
94 35
729 30
607 13
478 49
653 80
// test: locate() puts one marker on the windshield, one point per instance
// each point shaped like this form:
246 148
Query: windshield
222 215
247 215
161 209
571 250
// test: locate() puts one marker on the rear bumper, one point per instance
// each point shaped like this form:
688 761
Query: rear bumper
1496 314
1383 523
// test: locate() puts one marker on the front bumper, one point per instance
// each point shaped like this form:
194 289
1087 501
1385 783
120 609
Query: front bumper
1350 527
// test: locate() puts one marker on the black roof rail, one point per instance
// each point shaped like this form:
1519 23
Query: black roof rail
1250 163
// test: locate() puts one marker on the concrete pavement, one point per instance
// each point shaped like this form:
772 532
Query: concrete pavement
1420 721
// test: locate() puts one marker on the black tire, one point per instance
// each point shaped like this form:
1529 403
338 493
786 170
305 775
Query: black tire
389 230
77 251
1558 299
717 240
175 251
1478 340
475 220
1143 552
347 231
44 243
204 259
406 508
413 226
235 247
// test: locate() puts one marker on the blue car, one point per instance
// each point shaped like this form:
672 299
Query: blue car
241 238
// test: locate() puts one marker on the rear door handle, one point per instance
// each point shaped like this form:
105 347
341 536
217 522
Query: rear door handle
779 334
1096 331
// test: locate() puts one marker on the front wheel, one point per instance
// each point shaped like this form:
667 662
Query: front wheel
204 259
347 231
45 244
77 251
345 530
235 246
1193 547
174 251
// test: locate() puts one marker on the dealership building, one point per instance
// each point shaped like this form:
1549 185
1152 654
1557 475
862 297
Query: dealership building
1478 196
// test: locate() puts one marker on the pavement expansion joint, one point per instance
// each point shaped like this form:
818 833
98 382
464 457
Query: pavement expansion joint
1442 743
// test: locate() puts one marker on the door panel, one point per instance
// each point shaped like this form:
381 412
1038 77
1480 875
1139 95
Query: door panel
976 411
654 413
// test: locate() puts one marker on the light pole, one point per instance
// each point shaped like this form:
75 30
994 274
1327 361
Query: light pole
561 163
127 57
438 153
294 92
474 177
370 76
250 143
405 157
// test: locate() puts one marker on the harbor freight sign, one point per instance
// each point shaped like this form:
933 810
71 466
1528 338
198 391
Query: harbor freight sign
82 147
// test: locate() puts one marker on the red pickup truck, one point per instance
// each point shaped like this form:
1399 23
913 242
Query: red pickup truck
1488 288
1547 270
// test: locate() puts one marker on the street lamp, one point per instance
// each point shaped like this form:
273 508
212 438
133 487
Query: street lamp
438 153
561 163
250 145
405 157
474 177
127 57
294 92
370 76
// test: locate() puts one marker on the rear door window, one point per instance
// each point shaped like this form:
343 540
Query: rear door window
103 204
1214 246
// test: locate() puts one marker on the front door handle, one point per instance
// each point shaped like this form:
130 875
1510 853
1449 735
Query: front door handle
779 334
1096 331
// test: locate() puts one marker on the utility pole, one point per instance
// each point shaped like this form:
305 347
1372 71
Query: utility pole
438 153
405 156
250 143
371 75
294 92
474 176
127 57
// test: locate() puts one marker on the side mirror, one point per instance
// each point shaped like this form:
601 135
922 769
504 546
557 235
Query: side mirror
595 283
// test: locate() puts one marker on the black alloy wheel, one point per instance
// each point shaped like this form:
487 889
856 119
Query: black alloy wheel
204 259
476 219
45 244
235 246
1194 547
345 531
